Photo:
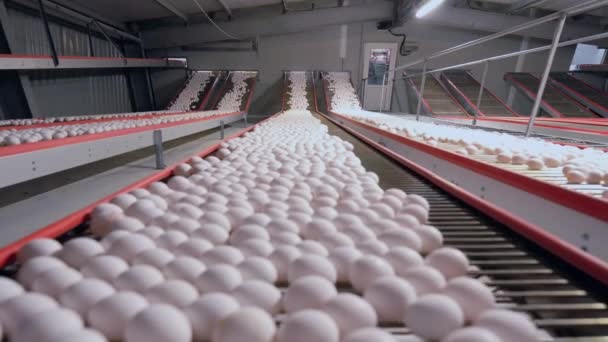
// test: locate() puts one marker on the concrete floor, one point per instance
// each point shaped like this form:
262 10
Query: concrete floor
26 216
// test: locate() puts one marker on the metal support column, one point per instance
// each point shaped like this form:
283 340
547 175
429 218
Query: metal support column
382 93
545 77
481 88
47 31
90 36
157 137
421 92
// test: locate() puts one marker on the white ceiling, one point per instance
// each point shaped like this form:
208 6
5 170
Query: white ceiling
137 10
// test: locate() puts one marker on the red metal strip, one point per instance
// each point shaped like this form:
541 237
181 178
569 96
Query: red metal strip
571 199
463 96
487 90
76 218
592 266
42 145
531 94
577 93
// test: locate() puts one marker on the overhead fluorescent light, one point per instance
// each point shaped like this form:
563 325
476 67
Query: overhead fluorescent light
428 7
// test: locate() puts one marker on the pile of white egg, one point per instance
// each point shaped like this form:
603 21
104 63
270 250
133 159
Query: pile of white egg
579 165
69 119
232 101
189 96
262 232
32 135
343 95
298 83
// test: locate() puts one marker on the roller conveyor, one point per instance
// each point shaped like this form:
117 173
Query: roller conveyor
554 103
590 97
561 300
466 89
523 279
437 100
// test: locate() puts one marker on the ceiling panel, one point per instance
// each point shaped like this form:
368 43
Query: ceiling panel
136 10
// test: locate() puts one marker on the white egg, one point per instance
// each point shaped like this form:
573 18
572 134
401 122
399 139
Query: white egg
342 258
81 296
9 289
184 268
373 246
259 294
156 257
281 257
219 278
425 279
22 307
193 247
47 325
471 334
213 233
311 264
258 268
223 255
111 237
52 282
508 325
205 313
401 238
83 335
310 292
390 297
418 211
138 278
129 246
110 315
369 334
451 262
403 259
422 316
77 251
431 238
473 296
105 267
312 247
308 326
38 247
159 323
366 269
246 324
171 239
350 312
173 292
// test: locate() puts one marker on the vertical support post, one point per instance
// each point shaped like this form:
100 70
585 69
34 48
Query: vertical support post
47 31
481 88
90 36
421 91
382 94
157 137
222 129
543 82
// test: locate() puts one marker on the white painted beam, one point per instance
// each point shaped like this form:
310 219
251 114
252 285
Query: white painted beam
11 62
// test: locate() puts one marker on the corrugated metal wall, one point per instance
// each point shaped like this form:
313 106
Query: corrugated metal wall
72 92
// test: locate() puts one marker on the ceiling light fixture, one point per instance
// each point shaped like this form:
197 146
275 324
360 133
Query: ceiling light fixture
428 7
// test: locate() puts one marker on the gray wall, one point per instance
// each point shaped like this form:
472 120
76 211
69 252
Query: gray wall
319 49
75 92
